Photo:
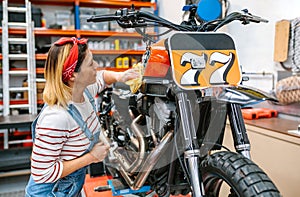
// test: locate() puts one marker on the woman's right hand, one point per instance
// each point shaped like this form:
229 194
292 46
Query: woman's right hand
99 152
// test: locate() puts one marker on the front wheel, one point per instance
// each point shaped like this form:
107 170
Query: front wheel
230 174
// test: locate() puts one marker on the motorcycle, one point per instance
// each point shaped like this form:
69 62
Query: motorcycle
167 133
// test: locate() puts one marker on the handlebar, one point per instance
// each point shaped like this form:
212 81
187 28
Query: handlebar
132 19
251 18
245 17
103 18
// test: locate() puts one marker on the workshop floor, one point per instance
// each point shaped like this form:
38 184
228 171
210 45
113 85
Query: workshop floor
91 183
15 186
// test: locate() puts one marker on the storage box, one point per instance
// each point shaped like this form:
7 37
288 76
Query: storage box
86 13
39 90
36 14
63 18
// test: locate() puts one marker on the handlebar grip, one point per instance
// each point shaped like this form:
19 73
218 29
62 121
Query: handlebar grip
258 20
103 18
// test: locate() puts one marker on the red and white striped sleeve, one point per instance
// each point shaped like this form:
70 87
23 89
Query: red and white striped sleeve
51 134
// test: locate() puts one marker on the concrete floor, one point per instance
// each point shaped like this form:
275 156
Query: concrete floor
13 186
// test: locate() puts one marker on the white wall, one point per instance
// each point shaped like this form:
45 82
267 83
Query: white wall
171 9
255 42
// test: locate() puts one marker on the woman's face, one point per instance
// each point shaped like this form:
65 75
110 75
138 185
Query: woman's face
88 71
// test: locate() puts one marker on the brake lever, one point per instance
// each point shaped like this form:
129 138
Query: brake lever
129 19
130 25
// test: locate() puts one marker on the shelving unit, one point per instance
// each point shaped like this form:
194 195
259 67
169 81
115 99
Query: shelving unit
92 3
76 5
7 136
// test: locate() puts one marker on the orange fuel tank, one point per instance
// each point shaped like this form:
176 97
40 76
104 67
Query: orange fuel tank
159 61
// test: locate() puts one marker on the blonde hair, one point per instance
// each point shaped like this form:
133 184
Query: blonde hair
56 91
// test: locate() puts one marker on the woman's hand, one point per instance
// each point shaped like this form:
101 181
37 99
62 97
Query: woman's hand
127 75
99 152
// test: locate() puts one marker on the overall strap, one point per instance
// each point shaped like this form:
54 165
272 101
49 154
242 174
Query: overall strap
73 111
91 98
33 124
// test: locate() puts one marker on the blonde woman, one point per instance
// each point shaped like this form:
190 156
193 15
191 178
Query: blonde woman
66 132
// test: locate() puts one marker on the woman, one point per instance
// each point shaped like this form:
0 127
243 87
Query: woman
66 132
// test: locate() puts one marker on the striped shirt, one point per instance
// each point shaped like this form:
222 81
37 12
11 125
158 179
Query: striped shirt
59 138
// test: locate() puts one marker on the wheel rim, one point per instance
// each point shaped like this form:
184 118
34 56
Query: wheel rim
213 184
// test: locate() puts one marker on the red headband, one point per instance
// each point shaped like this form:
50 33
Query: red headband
71 61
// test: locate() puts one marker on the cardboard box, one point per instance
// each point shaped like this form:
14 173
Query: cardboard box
39 90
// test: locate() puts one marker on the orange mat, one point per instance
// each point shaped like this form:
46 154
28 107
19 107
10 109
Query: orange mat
92 182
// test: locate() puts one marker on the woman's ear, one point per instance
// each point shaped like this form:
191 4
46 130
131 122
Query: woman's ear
72 80
74 75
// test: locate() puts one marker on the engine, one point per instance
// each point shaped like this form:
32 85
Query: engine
163 112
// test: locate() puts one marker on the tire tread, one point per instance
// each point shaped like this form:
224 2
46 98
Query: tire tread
249 179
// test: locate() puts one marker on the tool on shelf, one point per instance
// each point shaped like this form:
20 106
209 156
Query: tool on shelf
255 113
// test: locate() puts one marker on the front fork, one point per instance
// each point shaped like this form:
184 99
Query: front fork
192 149
238 129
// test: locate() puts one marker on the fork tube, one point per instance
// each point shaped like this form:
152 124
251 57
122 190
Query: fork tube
187 121
193 160
238 129
192 153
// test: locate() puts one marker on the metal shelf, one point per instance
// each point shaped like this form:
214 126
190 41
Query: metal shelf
93 3
114 4
95 52
44 32
118 52
85 33
21 102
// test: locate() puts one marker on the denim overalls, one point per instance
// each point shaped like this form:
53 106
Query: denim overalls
72 184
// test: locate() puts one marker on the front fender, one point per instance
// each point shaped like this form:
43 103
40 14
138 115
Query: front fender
245 95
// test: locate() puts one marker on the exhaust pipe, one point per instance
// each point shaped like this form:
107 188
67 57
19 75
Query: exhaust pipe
126 169
151 161
139 135
140 142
